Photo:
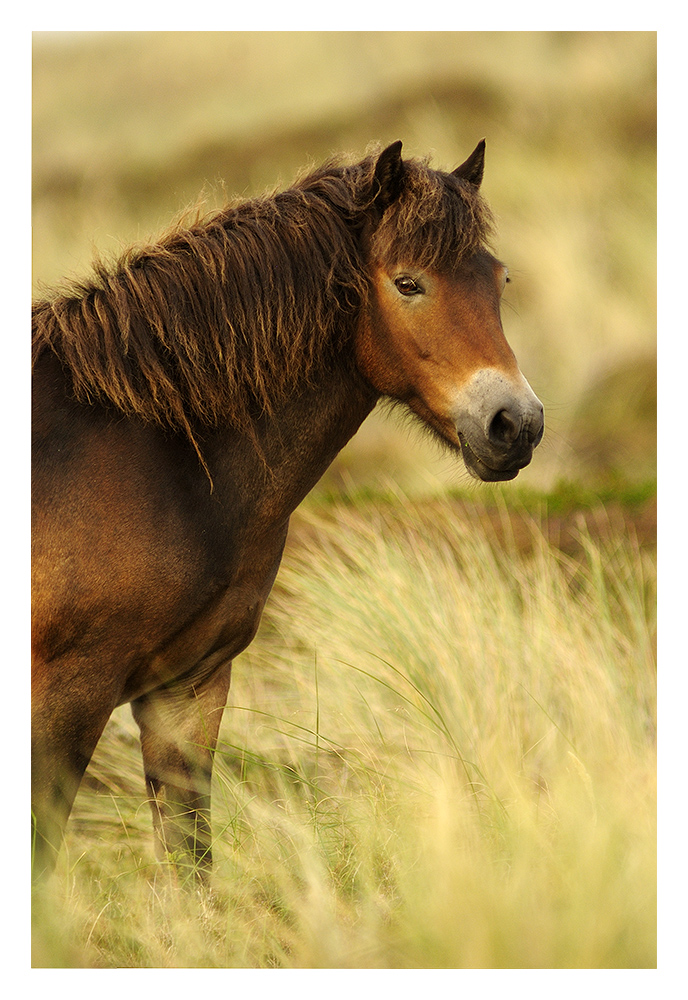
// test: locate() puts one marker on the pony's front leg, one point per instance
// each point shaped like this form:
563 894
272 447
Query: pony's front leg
179 727
70 705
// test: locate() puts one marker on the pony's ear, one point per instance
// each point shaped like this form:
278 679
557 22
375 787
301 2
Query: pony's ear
471 170
387 181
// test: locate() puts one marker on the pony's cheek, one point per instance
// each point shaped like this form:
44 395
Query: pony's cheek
379 363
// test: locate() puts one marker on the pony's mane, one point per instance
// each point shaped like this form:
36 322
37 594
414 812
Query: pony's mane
222 320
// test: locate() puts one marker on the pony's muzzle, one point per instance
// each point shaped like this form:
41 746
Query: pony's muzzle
499 422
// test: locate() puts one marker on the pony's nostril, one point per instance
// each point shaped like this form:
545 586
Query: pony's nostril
505 427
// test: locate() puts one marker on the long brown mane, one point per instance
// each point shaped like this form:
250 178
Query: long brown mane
222 320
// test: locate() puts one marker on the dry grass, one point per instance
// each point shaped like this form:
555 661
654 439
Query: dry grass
438 754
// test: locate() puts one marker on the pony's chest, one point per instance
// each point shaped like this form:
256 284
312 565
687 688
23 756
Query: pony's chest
222 623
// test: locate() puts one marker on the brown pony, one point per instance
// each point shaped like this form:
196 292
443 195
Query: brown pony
186 400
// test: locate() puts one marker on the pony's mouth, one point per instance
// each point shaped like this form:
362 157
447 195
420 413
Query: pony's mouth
481 470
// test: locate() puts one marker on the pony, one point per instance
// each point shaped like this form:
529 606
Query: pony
188 397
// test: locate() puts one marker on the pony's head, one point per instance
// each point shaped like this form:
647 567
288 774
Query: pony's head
431 334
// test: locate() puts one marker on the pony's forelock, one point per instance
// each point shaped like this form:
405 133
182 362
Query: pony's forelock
437 222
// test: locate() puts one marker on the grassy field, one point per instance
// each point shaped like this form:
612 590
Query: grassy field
440 750
439 753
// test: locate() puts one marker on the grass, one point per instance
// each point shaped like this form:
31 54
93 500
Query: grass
439 753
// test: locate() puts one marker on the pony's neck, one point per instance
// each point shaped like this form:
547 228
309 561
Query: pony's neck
294 447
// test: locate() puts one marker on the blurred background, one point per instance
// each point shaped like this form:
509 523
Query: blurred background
131 128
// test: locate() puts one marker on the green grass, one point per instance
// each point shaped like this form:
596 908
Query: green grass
439 753
565 496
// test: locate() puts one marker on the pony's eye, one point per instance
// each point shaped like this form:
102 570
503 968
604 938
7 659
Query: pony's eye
408 286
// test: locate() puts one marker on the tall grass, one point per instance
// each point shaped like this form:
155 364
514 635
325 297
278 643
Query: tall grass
439 753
